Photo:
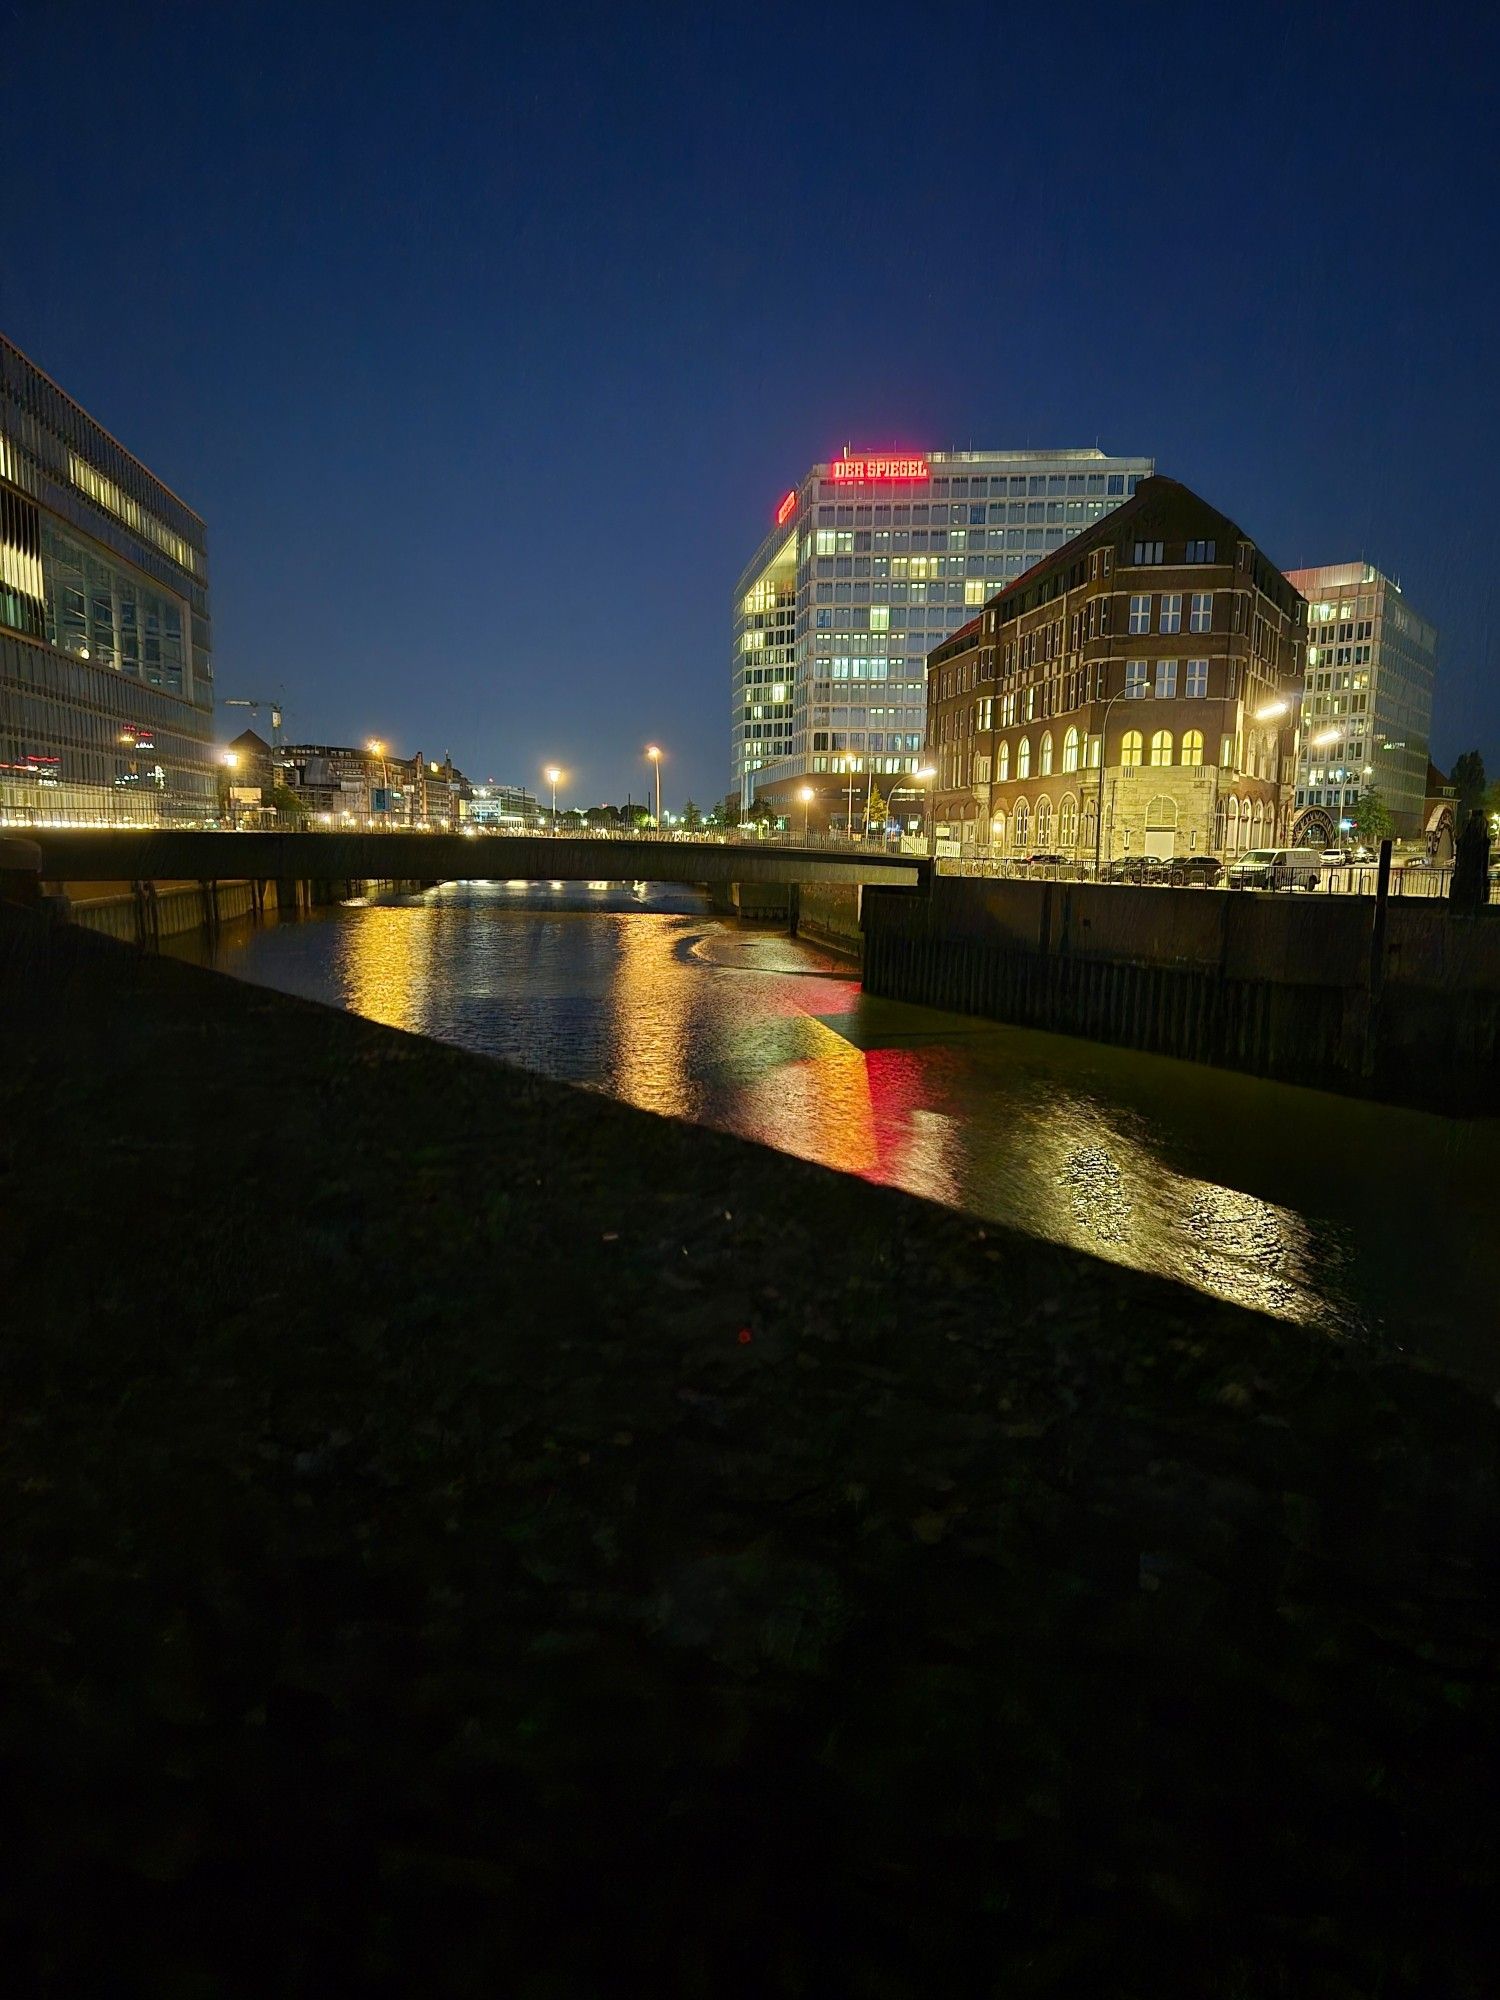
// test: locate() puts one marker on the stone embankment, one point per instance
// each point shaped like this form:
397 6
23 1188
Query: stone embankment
463 1535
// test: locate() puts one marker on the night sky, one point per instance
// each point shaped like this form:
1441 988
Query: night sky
486 339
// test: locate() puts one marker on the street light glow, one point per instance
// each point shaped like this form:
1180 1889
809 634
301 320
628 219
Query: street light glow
1272 709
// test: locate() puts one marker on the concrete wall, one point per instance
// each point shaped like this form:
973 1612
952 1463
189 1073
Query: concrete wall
1285 986
829 914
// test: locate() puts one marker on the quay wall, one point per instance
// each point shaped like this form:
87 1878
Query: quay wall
1310 990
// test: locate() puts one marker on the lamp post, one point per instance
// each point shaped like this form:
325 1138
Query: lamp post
553 775
849 764
924 777
806 795
1141 690
654 756
231 761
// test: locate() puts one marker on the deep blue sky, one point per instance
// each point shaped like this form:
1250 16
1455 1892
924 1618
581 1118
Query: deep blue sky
486 338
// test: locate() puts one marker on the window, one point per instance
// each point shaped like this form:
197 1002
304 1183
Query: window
1226 753
1166 679
1161 748
1192 747
1201 552
1022 823
825 541
1201 611
1148 552
1067 823
1044 822
1002 764
1070 751
1137 677
1197 680
880 618
1140 614
1023 758
1131 745
1046 761
1171 612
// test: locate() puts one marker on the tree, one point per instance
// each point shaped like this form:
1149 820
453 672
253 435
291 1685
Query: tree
692 819
1468 776
1372 819
874 809
282 800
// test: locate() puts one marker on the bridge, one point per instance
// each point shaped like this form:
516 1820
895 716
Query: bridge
185 854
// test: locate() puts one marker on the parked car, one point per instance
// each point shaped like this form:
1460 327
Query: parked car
1276 868
1135 868
1203 871
1045 861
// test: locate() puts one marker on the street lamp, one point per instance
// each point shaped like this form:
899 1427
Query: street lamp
924 776
553 776
806 795
654 755
231 764
1132 691
849 766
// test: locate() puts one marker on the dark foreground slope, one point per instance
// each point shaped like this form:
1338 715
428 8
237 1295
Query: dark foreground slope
462 1536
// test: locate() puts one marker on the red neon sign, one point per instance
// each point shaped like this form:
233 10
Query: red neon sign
787 508
879 468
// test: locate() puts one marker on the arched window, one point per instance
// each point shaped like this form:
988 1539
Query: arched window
1245 824
1070 751
1002 764
1131 746
1219 816
1232 825
1192 746
1067 824
1046 764
1021 824
1023 758
1096 746
1044 821
1259 824
1161 814
1161 747
997 830
1226 753
1090 824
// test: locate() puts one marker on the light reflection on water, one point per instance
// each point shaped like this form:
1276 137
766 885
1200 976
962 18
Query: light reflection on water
1318 1209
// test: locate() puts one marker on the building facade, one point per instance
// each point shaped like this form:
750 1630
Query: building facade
872 560
502 806
1371 665
1129 695
106 660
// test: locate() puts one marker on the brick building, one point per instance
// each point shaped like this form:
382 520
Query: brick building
1131 693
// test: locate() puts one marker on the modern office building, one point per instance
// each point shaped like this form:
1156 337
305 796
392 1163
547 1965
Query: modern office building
1129 695
502 806
106 668
1371 663
871 560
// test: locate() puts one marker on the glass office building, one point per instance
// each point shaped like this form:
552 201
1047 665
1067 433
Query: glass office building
106 669
1367 700
873 559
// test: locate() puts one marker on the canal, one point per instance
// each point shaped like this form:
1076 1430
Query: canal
1362 1222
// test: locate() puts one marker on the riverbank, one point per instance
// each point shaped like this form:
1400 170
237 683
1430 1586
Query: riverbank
456 1523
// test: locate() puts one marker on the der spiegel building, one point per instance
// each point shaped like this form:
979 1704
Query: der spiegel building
106 668
870 561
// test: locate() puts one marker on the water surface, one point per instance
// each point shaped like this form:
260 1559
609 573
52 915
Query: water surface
1359 1221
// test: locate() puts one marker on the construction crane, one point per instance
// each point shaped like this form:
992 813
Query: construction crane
255 706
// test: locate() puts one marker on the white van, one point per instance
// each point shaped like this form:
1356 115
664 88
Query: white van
1277 868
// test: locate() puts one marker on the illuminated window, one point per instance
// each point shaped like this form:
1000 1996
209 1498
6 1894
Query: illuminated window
826 541
1023 758
1192 746
1226 753
1131 747
1046 758
1070 751
880 618
1002 764
1161 747
1067 823
1044 822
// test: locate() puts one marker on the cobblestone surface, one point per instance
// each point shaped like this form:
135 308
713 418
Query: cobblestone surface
464 1536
